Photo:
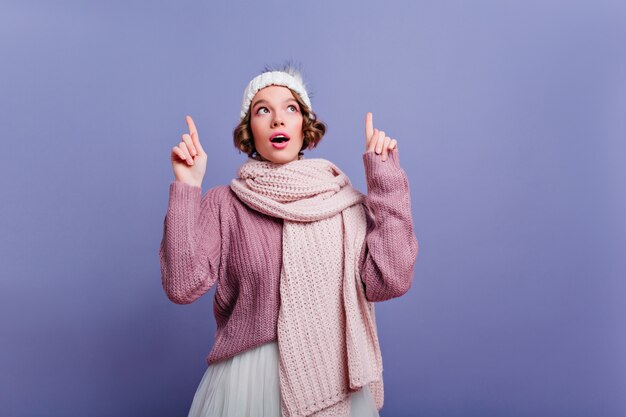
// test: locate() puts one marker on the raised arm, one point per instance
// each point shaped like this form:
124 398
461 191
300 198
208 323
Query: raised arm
390 247
190 251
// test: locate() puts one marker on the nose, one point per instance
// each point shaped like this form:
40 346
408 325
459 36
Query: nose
277 121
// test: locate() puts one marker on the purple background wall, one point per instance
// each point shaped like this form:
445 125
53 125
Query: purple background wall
511 125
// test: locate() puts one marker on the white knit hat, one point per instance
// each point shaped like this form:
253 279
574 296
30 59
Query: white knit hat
291 79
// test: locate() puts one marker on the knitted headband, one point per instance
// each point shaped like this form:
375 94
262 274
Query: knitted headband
290 79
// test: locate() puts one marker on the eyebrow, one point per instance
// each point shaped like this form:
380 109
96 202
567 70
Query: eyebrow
265 101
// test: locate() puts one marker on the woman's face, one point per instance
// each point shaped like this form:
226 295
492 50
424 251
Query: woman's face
274 112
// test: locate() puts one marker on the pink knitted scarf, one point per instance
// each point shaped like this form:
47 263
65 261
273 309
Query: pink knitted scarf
327 336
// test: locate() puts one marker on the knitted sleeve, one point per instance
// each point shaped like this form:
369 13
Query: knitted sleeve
390 247
190 250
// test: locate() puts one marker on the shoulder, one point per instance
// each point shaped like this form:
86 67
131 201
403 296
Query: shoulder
220 195
218 198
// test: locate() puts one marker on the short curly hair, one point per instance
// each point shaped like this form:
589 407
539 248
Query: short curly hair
313 129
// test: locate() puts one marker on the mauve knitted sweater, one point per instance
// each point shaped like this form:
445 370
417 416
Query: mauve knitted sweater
216 238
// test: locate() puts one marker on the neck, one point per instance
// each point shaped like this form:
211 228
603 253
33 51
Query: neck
258 157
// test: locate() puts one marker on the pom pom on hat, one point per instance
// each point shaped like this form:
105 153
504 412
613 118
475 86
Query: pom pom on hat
287 77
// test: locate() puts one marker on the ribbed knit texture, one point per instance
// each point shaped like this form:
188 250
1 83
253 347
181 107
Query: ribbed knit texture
217 238
326 327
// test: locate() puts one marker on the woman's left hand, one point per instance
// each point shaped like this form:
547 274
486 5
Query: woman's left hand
376 141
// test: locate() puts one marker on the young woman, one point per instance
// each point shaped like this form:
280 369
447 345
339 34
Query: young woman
298 257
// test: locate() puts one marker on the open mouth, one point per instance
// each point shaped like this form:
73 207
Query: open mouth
279 138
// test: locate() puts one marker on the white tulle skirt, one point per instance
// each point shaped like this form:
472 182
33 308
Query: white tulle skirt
248 385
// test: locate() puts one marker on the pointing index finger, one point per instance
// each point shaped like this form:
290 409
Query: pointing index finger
369 127
192 125
194 133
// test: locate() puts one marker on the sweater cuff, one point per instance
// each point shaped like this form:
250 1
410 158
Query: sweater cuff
383 175
374 161
183 196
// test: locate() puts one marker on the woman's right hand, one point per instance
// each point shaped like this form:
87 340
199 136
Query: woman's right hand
188 157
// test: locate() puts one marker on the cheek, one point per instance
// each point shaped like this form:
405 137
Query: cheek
256 129
299 126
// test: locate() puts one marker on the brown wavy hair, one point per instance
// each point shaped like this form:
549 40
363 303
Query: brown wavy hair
313 130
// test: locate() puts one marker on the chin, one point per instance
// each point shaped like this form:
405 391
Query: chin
280 157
